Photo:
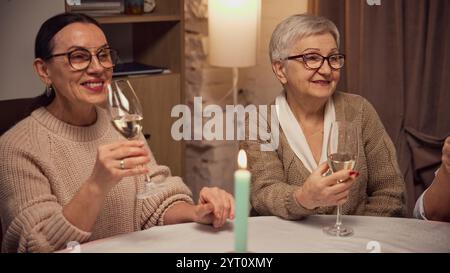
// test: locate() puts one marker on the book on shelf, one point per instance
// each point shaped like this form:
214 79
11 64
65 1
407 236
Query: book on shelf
135 68
97 13
97 7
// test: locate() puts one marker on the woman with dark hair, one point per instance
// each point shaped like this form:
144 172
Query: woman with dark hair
43 46
66 174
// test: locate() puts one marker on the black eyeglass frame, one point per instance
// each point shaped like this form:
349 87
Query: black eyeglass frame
68 53
301 56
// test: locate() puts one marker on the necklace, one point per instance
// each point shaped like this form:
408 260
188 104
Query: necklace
314 132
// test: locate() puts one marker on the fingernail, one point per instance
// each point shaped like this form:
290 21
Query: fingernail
352 173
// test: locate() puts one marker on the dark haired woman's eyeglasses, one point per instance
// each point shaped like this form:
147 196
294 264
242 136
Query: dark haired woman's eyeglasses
81 58
315 61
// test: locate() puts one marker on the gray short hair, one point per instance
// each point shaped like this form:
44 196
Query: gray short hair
297 27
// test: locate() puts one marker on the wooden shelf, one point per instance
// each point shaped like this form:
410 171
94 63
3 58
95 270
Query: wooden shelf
121 19
151 76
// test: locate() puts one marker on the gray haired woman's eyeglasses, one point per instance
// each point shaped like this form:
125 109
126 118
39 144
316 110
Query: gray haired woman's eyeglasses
81 58
315 61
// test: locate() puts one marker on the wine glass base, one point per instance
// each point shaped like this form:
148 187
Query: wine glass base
338 230
150 189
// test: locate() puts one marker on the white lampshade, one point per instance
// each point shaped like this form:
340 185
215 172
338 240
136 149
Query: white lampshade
233 32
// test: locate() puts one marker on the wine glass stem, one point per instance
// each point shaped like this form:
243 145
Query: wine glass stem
338 216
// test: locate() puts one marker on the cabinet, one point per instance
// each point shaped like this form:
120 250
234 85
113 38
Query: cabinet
157 39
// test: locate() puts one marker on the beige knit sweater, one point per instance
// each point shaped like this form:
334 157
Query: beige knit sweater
379 189
44 161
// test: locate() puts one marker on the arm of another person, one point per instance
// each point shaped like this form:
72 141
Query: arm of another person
385 185
436 200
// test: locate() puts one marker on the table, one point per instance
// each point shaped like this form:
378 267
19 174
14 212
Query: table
271 234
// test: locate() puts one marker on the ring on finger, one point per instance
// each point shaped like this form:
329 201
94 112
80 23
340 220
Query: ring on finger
122 164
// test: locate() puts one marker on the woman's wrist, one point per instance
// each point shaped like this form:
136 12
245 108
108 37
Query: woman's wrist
188 212
94 189
192 215
180 212
303 200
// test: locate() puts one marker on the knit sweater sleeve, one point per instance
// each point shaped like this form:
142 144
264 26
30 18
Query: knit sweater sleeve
172 191
270 192
31 215
385 186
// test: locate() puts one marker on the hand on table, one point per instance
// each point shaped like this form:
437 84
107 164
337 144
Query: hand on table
214 207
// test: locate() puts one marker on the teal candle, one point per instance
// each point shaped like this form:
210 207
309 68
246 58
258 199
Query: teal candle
241 194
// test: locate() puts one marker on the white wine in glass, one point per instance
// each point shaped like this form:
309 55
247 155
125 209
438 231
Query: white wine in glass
342 150
341 161
126 116
130 126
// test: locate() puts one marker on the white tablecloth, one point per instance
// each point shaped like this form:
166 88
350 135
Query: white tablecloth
272 234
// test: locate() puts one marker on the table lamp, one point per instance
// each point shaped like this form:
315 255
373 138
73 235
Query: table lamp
233 35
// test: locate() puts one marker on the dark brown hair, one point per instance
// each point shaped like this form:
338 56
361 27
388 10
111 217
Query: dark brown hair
44 43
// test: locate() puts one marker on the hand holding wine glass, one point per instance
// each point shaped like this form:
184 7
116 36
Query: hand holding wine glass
342 150
320 190
126 115
105 174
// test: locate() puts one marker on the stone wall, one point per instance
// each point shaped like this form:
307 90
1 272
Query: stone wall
212 163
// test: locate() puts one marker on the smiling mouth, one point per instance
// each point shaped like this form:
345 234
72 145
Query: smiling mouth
322 82
96 86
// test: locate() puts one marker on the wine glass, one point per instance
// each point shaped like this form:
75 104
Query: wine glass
126 115
342 150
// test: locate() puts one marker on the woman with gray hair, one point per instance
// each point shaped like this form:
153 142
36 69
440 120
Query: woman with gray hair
291 182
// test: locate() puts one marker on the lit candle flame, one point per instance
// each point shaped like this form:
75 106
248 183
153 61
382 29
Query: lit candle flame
242 159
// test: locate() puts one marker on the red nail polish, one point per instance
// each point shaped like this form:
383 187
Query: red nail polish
352 173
